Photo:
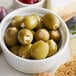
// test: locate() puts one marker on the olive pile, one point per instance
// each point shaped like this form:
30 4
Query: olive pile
33 36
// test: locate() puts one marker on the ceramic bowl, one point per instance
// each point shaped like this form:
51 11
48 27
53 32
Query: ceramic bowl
18 4
26 65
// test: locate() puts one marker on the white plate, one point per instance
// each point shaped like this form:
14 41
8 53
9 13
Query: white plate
7 70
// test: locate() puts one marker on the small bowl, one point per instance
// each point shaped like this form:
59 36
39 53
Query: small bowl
18 4
26 65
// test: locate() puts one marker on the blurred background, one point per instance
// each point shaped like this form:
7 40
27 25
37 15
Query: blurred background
54 3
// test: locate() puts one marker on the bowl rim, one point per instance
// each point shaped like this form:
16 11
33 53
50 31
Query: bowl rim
3 45
24 4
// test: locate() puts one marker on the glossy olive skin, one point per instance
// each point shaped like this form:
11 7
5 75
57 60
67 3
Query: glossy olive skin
52 47
39 50
15 49
25 36
51 21
30 22
55 35
11 36
33 36
16 21
24 51
39 19
42 34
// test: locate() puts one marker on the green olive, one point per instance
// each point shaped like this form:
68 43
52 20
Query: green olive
39 50
39 19
30 22
25 36
16 21
51 21
42 34
15 49
52 47
55 35
11 36
37 16
24 51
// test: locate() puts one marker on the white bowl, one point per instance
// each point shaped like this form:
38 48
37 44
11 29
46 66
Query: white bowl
18 4
32 66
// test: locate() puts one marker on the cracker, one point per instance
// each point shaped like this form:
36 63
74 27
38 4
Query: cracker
67 69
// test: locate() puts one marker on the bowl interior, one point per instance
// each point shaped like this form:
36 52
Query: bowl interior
25 11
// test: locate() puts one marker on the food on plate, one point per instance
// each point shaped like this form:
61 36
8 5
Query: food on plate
52 47
28 37
51 21
39 50
42 34
25 36
55 35
3 13
67 69
11 36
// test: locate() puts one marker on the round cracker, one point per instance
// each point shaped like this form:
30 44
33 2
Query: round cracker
67 69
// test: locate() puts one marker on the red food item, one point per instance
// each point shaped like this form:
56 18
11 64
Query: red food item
29 1
35 1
